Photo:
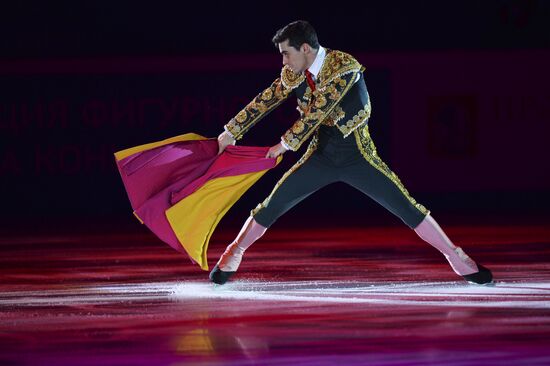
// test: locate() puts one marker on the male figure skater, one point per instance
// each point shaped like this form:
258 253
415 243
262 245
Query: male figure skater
334 109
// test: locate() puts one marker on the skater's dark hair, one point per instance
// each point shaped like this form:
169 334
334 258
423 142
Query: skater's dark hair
297 33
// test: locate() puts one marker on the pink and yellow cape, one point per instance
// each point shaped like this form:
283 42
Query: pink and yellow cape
180 188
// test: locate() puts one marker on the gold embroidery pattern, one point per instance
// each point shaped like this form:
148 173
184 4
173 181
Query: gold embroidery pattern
337 64
356 121
368 150
336 115
258 108
290 79
310 149
302 107
320 101
298 127
314 116
241 116
267 95
332 92
307 94
334 83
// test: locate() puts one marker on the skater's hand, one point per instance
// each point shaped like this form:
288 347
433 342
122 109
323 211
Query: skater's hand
275 151
224 139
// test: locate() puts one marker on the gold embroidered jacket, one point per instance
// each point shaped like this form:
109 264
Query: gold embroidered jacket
340 100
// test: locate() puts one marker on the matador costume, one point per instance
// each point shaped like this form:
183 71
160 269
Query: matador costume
335 113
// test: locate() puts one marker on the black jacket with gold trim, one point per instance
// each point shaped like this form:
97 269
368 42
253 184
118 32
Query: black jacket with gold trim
340 99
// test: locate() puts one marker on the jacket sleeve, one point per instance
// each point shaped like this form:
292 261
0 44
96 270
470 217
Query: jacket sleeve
258 108
326 97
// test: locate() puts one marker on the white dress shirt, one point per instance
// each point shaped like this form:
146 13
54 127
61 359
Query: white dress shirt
315 67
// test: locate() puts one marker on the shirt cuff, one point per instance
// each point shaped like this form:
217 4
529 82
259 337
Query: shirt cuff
285 145
229 133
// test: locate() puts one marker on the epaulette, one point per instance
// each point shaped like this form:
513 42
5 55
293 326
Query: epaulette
289 79
337 64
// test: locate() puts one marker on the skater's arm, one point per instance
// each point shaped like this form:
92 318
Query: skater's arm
258 108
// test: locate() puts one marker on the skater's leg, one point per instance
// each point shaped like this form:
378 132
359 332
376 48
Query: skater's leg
293 188
289 191
385 188
231 259
461 263
432 233
374 178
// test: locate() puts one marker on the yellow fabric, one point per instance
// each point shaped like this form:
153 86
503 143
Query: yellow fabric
139 218
133 150
195 217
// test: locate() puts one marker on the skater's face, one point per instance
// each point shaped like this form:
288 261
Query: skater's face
297 60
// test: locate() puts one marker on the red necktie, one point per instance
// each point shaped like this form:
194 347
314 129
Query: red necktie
310 81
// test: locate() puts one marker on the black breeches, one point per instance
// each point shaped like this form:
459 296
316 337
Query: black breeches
339 160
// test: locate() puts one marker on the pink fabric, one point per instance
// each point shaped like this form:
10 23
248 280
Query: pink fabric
148 172
235 160
158 178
